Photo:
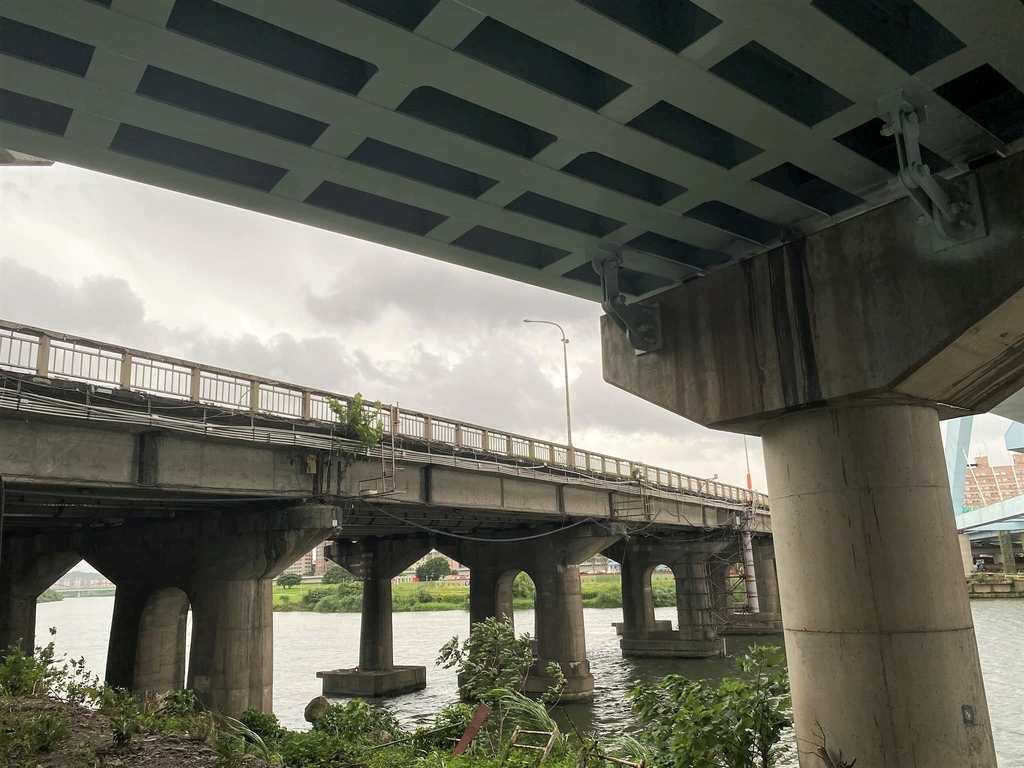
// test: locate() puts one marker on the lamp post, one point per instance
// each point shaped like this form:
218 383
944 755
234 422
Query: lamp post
565 363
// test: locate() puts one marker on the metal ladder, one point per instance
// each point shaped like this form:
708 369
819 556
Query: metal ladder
545 750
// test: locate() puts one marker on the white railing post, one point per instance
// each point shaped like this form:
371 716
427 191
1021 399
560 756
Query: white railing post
195 388
428 429
533 450
43 357
254 396
307 405
485 441
126 370
458 435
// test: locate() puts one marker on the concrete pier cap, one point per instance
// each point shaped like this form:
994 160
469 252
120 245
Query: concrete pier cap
843 350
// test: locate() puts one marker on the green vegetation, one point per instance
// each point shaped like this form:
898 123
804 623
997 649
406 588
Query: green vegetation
359 421
50 596
346 597
434 569
336 574
288 580
736 724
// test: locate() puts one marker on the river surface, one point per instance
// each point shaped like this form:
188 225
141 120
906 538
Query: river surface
305 643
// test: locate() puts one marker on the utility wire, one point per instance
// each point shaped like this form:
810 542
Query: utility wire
464 537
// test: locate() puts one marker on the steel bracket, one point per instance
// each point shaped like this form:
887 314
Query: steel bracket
953 207
640 322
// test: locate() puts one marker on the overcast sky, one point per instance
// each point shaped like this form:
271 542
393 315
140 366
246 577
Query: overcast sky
92 255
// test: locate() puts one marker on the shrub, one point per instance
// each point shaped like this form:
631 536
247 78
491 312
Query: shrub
358 724
736 724
664 595
328 604
263 724
314 596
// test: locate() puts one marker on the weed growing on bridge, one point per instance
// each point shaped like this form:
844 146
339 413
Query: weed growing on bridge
359 421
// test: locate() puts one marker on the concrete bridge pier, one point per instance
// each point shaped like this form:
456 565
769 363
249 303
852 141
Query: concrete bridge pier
699 603
28 566
843 349
561 633
768 619
698 635
222 566
375 561
553 564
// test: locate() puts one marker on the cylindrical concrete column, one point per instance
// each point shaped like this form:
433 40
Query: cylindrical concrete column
160 653
637 598
767 579
879 634
693 599
560 630
376 643
232 661
122 646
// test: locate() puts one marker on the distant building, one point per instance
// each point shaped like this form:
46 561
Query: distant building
986 484
313 563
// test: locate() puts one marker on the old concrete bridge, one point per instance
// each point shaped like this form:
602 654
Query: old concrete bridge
193 486
805 216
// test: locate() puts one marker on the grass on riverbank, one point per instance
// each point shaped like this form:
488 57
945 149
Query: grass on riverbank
439 596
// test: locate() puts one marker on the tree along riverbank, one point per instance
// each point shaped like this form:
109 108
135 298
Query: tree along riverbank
347 597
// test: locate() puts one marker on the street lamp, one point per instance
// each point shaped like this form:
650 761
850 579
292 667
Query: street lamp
565 362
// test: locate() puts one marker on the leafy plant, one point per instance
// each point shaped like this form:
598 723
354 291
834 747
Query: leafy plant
356 420
736 724
26 734
262 724
357 722
492 659
289 580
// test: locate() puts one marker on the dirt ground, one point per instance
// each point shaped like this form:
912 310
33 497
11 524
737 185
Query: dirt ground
89 744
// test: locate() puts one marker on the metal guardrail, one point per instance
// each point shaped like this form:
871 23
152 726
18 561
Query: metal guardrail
42 353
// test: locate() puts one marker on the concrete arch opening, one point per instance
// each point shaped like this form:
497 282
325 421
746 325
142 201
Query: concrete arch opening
160 656
516 585
659 591
28 567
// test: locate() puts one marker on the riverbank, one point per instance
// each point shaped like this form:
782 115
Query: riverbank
440 596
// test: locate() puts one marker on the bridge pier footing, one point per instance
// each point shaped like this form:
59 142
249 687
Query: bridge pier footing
28 566
376 561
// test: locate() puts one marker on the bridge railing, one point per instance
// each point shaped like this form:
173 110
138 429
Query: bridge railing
43 353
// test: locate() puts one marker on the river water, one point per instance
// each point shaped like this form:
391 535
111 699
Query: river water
305 643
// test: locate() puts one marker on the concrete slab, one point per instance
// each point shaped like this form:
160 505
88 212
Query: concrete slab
675 648
373 684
